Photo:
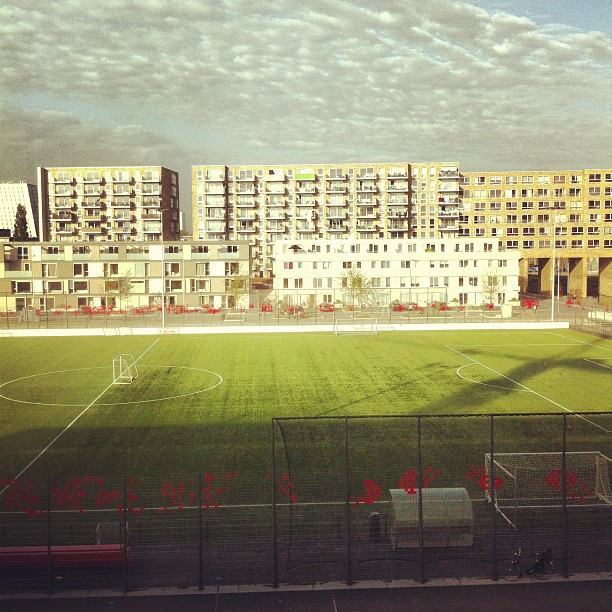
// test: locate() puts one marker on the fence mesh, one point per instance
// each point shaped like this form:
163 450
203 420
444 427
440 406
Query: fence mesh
343 499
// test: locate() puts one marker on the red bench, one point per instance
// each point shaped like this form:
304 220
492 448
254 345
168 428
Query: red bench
107 555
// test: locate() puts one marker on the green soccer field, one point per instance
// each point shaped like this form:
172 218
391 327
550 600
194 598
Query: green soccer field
206 402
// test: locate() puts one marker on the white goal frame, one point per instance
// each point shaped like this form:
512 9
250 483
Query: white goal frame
358 325
124 369
533 481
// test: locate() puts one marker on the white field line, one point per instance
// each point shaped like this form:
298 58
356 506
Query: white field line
61 433
546 399
598 363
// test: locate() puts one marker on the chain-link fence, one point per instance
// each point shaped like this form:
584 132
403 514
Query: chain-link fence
273 309
343 499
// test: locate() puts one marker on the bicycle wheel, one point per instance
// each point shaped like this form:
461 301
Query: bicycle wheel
510 570
543 571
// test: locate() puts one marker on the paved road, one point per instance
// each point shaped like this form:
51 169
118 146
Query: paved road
591 596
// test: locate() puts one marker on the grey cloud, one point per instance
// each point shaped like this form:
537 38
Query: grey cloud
327 76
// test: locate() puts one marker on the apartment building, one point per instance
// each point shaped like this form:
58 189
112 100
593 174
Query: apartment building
521 210
13 194
60 275
408 271
108 204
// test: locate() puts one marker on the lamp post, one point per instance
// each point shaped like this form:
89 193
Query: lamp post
163 269
554 238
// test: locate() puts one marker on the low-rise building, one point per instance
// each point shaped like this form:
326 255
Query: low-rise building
471 271
58 275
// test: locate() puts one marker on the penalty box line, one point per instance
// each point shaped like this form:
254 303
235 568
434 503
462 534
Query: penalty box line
61 433
546 399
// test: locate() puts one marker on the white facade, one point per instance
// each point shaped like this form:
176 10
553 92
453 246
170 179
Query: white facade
13 194
309 272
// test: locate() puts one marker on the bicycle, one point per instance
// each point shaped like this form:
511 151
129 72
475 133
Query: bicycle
542 569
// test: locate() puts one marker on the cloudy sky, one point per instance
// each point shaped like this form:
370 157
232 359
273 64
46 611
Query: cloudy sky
493 85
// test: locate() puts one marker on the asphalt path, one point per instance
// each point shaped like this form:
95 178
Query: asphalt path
524 597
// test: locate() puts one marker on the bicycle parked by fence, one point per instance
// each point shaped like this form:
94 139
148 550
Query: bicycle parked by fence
513 569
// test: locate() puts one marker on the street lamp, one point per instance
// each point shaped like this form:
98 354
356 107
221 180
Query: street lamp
163 269
554 260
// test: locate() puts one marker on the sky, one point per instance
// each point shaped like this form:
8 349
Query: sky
492 85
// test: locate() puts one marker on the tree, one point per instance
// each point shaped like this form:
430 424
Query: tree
491 286
20 230
237 286
357 287
121 287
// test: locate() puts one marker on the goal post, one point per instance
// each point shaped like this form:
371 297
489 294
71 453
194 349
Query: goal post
358 325
526 481
124 369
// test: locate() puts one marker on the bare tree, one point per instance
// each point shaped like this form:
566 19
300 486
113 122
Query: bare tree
356 286
491 285
237 286
121 286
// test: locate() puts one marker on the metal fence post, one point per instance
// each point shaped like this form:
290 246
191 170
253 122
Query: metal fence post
564 497
349 576
422 577
492 495
274 527
49 560
200 551
124 538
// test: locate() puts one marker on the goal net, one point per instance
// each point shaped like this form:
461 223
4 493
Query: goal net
535 480
361 325
124 369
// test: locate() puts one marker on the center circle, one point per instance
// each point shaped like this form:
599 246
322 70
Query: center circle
217 380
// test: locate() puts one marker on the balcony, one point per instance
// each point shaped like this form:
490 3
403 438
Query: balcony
246 189
336 215
337 228
305 188
65 231
276 214
398 186
276 176
366 188
151 190
306 202
63 203
448 214
152 228
246 204
92 178
92 204
149 215
277 229
334 187
246 216
94 230
448 228
150 177
62 216
448 175
122 228
449 188
247 229
245 178
367 227
215 189
367 214
121 203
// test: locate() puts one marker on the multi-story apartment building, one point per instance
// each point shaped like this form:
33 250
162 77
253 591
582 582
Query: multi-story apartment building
108 204
60 275
13 194
408 271
520 210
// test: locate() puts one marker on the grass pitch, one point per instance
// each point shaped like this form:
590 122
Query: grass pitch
205 403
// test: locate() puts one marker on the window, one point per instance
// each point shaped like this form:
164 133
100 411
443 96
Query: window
80 269
49 270
473 281
202 268
21 287
527 179
495 193
512 180
172 268
512 231
23 252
